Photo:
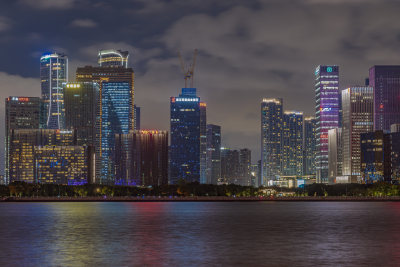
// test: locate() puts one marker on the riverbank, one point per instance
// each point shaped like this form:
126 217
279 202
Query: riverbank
192 199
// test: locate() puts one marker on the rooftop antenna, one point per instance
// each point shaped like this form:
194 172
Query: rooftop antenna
188 71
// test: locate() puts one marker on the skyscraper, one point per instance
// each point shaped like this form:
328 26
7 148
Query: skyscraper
213 153
245 167
309 146
335 154
386 83
230 167
271 138
185 137
292 143
53 73
115 118
81 110
21 113
142 158
113 58
358 108
203 142
326 113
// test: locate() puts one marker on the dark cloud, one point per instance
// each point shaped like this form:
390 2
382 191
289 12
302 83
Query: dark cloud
247 50
83 23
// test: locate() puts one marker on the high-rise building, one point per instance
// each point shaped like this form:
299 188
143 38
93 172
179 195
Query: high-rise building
116 106
113 58
136 114
375 156
326 113
69 165
142 158
21 113
271 138
292 143
213 153
309 146
23 146
203 142
358 109
230 167
115 118
335 153
82 110
386 83
101 75
53 73
185 137
245 167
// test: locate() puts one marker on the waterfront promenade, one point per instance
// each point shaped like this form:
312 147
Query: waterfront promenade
193 199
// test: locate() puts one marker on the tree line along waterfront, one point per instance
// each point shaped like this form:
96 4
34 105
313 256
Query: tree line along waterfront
183 189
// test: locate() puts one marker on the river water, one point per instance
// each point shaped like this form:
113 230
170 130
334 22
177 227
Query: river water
200 234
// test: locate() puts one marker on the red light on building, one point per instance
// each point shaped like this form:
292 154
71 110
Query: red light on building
23 99
173 99
202 104
381 106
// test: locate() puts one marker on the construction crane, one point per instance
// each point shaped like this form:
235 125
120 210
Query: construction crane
188 71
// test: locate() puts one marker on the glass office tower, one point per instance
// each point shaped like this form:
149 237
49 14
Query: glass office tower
327 105
115 117
185 137
213 153
309 146
53 73
271 138
358 112
203 143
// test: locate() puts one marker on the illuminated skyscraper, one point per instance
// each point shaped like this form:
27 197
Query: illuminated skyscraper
386 83
115 118
271 138
113 58
213 153
185 137
21 113
309 146
203 143
81 110
326 113
53 73
358 110
292 143
245 167
142 158
230 167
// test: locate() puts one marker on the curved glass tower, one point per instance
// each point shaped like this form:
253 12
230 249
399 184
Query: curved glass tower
113 58
53 73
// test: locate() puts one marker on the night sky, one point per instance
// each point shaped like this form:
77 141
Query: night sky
247 50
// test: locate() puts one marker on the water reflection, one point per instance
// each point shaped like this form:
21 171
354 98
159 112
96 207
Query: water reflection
192 234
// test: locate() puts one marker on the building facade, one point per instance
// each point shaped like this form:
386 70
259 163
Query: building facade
327 108
21 113
23 143
292 143
309 146
53 73
81 101
358 111
136 115
271 138
185 137
141 158
335 154
386 83
213 153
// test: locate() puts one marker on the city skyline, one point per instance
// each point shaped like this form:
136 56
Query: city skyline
271 60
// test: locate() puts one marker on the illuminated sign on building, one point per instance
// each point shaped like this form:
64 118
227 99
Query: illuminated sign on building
186 99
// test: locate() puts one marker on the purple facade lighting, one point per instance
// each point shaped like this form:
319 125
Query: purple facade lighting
326 114
386 83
